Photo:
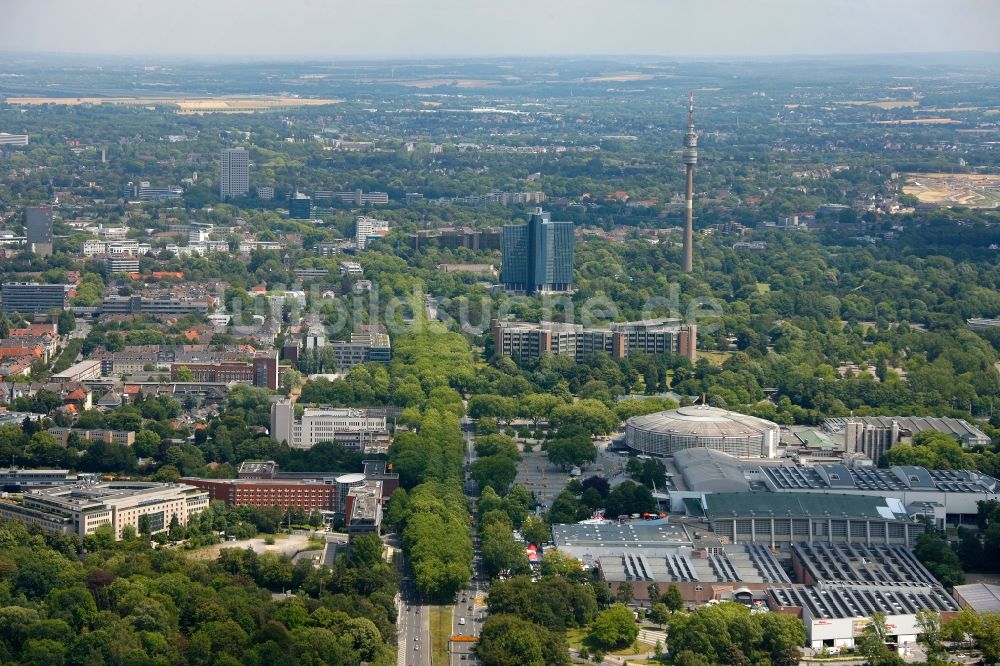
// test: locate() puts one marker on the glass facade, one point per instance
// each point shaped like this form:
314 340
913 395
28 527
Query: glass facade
538 256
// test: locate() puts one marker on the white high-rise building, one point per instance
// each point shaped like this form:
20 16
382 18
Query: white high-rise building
234 177
368 228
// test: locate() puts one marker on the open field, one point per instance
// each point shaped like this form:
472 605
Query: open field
185 105
886 105
918 121
955 189
437 83
624 77
715 357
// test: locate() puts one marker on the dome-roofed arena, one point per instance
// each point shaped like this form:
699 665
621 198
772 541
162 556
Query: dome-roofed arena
701 426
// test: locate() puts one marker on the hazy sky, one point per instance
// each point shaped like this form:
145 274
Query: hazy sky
363 28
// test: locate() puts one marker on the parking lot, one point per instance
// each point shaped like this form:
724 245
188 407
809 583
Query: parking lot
546 480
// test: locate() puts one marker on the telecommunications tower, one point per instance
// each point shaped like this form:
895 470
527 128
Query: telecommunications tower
690 158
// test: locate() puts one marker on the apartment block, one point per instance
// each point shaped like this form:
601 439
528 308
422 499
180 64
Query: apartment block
356 197
38 226
175 301
653 336
121 263
490 238
234 180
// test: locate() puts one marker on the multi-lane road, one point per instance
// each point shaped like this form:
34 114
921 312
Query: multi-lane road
413 627
469 610
412 624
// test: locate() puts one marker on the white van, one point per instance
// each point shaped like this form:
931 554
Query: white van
461 621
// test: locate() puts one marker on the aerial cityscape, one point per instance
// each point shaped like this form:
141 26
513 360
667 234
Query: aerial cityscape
323 349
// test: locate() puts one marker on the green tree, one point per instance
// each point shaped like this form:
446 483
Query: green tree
535 530
614 628
673 599
501 552
872 642
931 634
366 550
147 444
507 640
591 415
66 322
659 614
497 472
493 445
936 554
572 450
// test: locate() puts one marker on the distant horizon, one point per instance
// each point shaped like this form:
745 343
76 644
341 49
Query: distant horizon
360 29
415 58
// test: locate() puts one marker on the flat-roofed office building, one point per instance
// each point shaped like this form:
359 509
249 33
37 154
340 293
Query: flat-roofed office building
33 298
350 427
79 510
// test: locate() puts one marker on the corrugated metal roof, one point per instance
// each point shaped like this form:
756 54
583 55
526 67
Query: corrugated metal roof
730 505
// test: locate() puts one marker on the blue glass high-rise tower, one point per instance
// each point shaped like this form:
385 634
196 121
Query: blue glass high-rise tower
538 256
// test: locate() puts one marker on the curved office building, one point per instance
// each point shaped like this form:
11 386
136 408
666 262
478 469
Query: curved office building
700 426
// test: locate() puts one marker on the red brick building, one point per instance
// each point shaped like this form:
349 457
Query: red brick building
263 371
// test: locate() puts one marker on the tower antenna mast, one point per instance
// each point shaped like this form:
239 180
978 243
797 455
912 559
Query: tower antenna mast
690 159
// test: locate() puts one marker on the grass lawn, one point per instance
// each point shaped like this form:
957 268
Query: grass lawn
639 647
440 634
714 357
577 638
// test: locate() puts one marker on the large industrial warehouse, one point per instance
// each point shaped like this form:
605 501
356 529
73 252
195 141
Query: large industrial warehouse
701 426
